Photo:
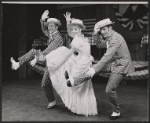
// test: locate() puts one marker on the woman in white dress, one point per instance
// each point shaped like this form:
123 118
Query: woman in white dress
79 99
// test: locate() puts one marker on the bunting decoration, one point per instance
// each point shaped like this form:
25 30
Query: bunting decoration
133 17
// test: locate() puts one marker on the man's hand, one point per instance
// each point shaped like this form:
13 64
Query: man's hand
91 72
96 28
40 57
34 61
45 15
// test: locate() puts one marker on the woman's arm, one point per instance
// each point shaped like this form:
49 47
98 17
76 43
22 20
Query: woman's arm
68 21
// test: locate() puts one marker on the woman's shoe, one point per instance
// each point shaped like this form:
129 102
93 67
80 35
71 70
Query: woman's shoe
51 104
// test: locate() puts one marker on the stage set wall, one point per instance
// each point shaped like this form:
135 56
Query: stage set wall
21 25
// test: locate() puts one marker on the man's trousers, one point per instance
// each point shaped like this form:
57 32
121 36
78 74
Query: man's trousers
112 85
41 69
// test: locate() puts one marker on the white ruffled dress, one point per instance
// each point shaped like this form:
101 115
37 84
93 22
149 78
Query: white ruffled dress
78 99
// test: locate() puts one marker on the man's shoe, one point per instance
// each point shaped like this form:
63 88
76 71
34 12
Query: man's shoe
114 116
51 104
15 65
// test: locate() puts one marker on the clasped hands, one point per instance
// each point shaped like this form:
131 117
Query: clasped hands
39 57
90 72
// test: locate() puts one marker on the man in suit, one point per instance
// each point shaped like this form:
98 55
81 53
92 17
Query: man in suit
116 60
50 29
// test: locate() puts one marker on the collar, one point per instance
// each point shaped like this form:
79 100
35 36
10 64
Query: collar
53 33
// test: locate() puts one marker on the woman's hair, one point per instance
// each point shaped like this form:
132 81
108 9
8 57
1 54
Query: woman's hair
76 25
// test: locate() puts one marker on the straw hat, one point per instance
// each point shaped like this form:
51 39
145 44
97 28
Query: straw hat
104 22
53 20
77 22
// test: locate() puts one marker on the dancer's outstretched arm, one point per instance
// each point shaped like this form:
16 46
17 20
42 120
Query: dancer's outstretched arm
68 21
42 20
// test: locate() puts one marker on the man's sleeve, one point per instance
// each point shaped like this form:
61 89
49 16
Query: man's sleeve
54 45
82 78
113 47
100 43
43 27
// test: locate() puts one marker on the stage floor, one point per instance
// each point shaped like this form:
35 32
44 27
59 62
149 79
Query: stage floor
24 100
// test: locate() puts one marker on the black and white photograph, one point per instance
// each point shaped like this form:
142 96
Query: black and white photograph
74 61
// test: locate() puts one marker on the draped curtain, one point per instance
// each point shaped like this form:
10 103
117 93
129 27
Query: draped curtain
133 17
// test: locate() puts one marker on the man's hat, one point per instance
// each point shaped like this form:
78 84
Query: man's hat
104 22
53 20
77 22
